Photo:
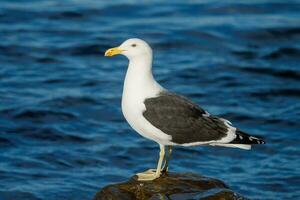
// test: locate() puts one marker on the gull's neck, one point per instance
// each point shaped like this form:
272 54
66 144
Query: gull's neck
139 80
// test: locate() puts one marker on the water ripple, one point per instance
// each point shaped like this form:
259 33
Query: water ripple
62 133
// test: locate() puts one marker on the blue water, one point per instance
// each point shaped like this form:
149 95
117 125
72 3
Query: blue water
62 133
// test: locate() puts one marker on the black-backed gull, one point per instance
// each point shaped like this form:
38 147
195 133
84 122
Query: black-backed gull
167 118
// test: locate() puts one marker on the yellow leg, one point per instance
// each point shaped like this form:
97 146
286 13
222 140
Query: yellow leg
151 174
166 164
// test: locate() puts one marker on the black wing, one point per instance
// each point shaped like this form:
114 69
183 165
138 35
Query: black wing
183 120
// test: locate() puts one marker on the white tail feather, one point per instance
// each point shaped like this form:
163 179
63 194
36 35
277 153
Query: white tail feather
241 146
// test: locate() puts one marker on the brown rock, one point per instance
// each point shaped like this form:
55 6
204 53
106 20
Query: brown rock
171 186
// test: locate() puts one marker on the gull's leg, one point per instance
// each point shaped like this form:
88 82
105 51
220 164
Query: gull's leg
166 164
151 174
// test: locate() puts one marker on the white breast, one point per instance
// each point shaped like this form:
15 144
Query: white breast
136 90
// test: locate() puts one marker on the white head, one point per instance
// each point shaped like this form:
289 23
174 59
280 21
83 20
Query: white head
133 48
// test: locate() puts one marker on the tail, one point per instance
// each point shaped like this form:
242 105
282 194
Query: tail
240 146
242 141
244 138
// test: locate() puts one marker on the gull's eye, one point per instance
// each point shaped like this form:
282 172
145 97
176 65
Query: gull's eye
133 45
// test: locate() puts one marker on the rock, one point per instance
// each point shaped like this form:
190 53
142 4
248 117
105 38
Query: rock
171 186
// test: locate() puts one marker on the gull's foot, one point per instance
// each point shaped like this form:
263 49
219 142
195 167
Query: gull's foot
148 175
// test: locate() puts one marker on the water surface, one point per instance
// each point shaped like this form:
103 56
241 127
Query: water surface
62 133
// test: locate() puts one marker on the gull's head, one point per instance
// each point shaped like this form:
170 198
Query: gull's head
131 48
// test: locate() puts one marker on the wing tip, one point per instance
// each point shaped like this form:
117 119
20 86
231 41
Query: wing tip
244 138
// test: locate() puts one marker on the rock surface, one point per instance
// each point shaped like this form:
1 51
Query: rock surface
171 186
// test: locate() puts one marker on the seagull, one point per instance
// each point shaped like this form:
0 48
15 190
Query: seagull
165 117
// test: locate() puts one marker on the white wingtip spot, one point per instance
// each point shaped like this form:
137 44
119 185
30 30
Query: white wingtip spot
253 138
206 114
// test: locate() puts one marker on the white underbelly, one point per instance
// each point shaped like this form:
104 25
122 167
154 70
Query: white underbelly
133 113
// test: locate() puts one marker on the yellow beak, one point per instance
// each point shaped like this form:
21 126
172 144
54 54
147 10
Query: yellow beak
113 51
